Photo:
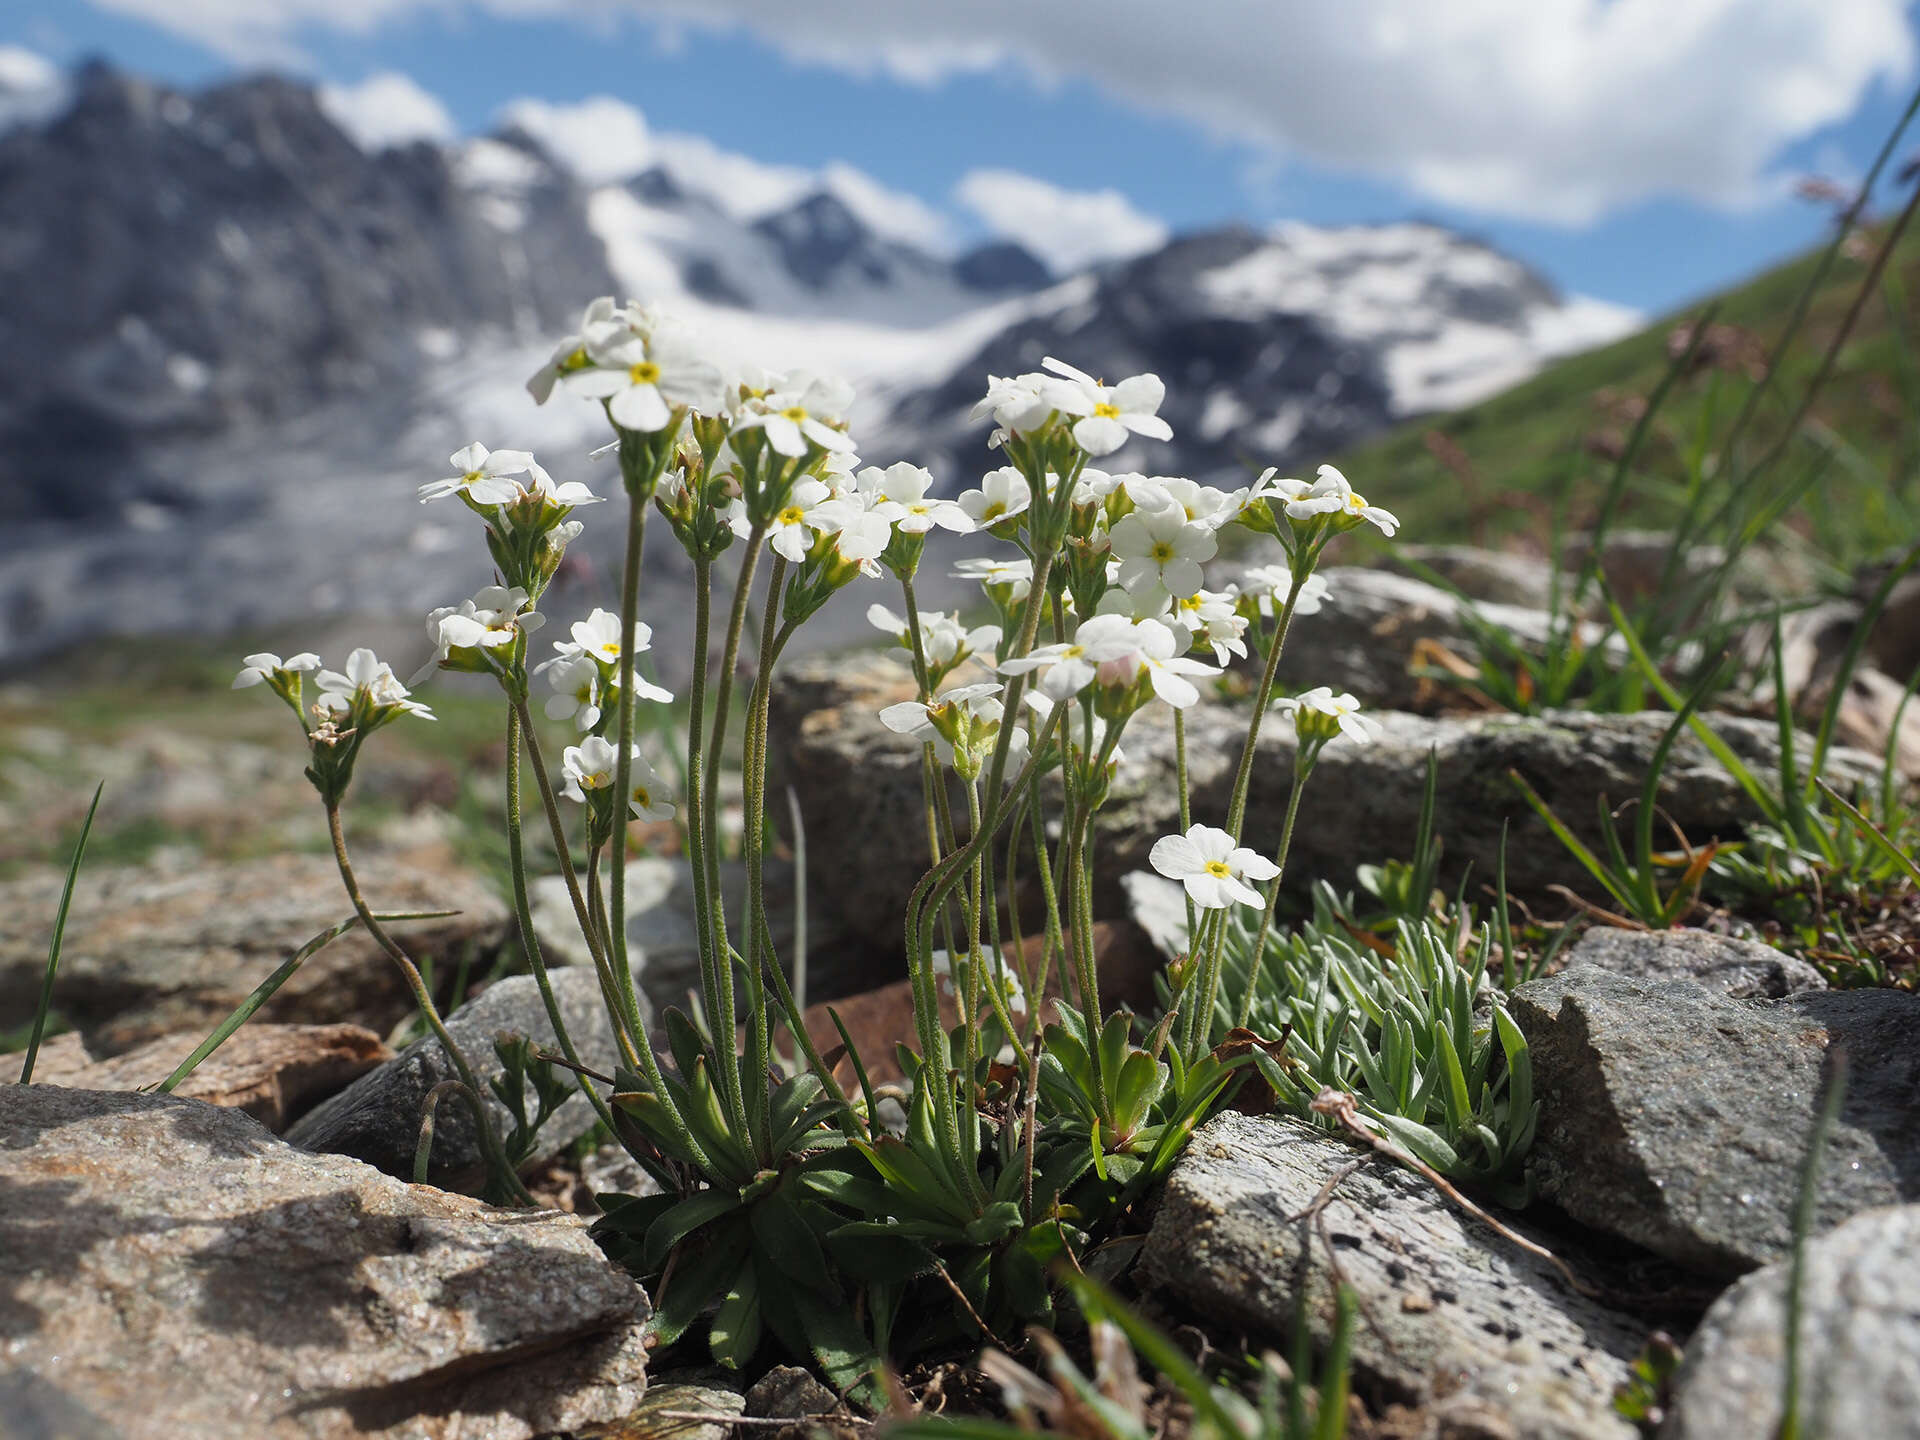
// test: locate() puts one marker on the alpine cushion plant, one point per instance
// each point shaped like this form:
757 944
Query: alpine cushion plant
799 1205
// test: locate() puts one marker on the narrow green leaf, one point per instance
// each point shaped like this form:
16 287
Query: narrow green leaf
59 933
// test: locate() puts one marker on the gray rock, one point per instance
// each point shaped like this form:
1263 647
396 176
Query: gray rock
170 1268
151 952
671 1398
1363 638
1361 806
272 1072
1859 1346
1739 969
1678 1118
788 1392
1459 1318
377 1118
1499 576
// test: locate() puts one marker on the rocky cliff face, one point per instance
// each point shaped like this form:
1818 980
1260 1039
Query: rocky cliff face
231 340
178 267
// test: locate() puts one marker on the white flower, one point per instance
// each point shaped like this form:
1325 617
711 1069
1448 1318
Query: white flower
491 619
266 666
482 476
591 766
1011 987
1268 586
1003 493
1211 616
368 677
1332 495
899 493
597 638
643 378
1321 713
576 682
539 482
968 715
1196 503
648 796
1018 403
1070 666
790 532
944 641
1214 870
1094 486
801 412
860 532
1154 644
1110 415
1161 549
1014 576
569 352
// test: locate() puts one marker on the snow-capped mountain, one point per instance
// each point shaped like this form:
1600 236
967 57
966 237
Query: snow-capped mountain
232 340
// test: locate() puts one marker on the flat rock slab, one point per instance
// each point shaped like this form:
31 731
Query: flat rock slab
861 782
1860 1342
152 952
1468 1323
1738 969
377 1117
169 1268
272 1072
1679 1119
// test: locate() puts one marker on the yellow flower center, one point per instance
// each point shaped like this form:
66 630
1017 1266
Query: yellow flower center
593 782
1106 411
471 476
641 794
1219 869
1163 551
1192 602
993 511
792 515
795 413
645 372
1356 503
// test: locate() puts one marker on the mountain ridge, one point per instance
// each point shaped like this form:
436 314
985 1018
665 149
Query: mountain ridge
231 331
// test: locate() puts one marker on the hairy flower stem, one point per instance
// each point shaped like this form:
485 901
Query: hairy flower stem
496 1157
523 916
696 826
1201 1020
720 1003
630 1030
1245 1009
1186 795
639 491
940 881
754 803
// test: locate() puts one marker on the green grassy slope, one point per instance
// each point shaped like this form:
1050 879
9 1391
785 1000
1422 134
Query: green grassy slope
1509 461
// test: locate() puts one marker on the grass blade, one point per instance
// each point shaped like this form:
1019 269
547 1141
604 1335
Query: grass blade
53 946
1743 775
264 991
1573 842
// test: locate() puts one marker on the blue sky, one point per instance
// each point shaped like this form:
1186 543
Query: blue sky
1628 192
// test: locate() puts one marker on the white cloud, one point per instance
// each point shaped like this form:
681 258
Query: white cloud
604 141
889 212
1066 228
32 88
1556 110
601 139
742 186
385 110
